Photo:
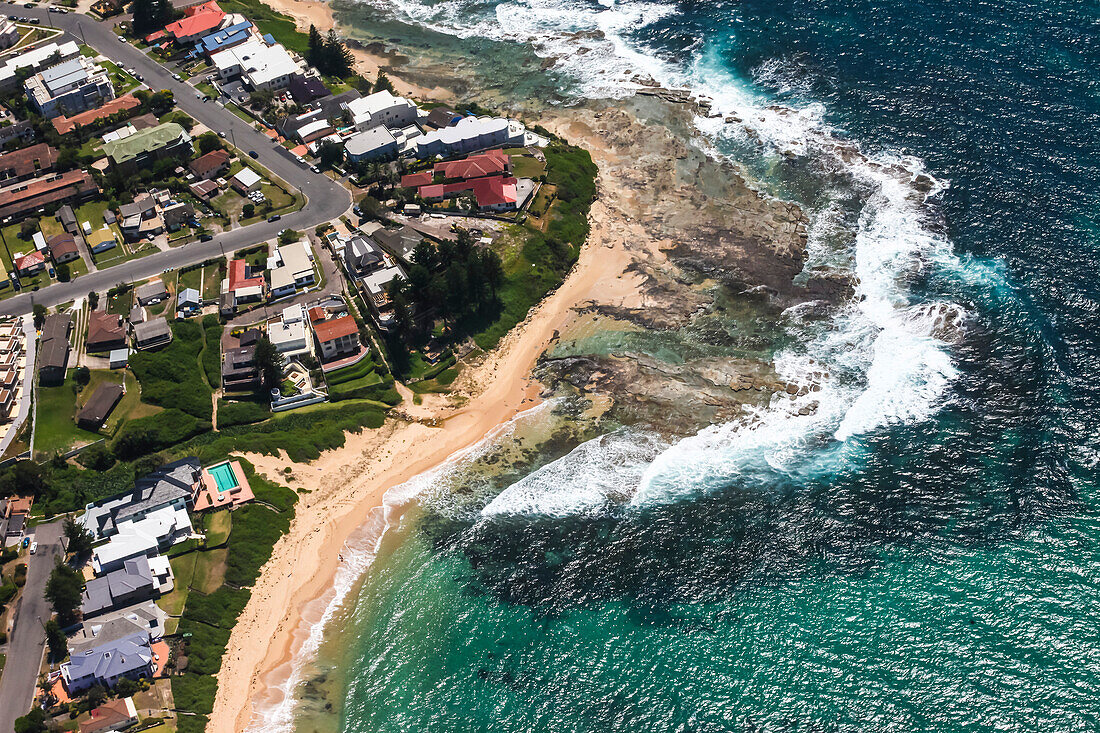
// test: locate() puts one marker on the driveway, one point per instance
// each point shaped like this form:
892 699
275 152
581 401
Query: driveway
325 199
28 637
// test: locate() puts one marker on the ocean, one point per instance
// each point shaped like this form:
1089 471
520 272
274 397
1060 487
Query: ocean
920 550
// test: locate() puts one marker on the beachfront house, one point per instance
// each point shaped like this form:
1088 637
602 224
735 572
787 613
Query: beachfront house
139 579
374 144
381 108
106 664
469 135
144 617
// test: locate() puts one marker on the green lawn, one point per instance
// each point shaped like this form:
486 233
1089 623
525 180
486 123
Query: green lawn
212 280
527 167
121 304
282 27
130 407
55 429
218 526
183 568
122 81
92 212
190 279
209 570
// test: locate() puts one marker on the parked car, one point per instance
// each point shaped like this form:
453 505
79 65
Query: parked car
221 134
253 154
205 237
177 77
121 39
274 217
34 548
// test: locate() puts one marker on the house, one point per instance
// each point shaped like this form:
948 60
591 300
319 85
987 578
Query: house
105 332
152 292
416 180
375 286
144 206
197 22
27 196
20 131
145 147
492 193
67 217
153 333
95 411
137 315
125 103
18 505
290 125
489 163
337 337
246 180
441 117
259 65
168 487
35 59
144 617
111 715
212 165
243 285
469 135
53 348
289 335
176 215
101 240
204 190
118 358
28 162
305 89
400 242
106 664
63 248
132 583
9 34
361 255
381 108
30 264
374 144
239 368
72 86
228 37
291 267
188 300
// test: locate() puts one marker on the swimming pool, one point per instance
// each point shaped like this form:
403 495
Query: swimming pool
224 477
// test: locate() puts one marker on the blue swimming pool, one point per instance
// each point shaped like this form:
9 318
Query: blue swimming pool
224 477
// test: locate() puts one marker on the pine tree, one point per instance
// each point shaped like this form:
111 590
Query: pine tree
315 52
383 83
338 59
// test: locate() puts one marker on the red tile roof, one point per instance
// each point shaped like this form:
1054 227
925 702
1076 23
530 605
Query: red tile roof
475 166
434 191
104 327
65 125
197 19
238 276
317 313
28 261
204 165
62 244
414 180
42 191
489 191
25 162
334 328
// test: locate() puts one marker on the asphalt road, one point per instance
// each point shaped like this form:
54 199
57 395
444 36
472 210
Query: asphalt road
28 638
325 199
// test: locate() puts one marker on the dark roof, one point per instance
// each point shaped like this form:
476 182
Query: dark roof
442 117
305 89
43 191
100 593
61 244
152 289
104 328
239 362
66 216
154 330
142 204
145 121
54 349
331 105
250 336
27 161
401 241
99 405
161 487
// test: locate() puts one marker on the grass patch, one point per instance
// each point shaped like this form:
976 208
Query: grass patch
170 377
218 526
183 568
209 570
240 413
212 350
527 166
282 27
55 430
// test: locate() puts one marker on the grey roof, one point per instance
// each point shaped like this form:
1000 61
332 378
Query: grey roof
400 242
137 314
189 295
161 487
55 341
100 593
66 216
152 330
361 254
146 617
124 656
142 204
152 290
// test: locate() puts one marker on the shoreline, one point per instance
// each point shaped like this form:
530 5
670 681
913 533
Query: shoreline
354 480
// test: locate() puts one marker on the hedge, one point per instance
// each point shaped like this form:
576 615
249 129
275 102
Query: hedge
147 435
240 413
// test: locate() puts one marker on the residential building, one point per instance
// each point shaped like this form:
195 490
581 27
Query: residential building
53 348
416 180
143 206
470 134
118 358
239 368
205 190
305 89
27 196
337 337
146 147
381 108
16 505
67 218
243 284
375 144
9 34
188 300
289 335
106 664
152 292
35 60
73 86
212 165
105 332
246 180
177 215
134 582
152 333
197 21
28 162
125 103
291 267
95 411
441 117
63 248
228 37
489 163
400 242
21 131
111 715
361 256
259 65
30 263
144 617
101 240
137 315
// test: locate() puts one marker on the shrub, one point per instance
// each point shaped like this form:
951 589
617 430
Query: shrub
240 413
97 457
212 353
149 434
255 531
194 693
170 377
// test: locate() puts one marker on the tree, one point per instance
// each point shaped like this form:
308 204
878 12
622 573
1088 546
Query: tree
82 375
32 722
97 457
126 687
93 300
40 312
208 142
63 591
383 83
248 210
22 478
315 47
27 228
268 363
55 638
64 274
80 539
287 236
331 154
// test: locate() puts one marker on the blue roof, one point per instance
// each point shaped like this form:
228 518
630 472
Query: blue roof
224 38
269 39
121 657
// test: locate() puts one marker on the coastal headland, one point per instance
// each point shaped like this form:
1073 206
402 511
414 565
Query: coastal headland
670 229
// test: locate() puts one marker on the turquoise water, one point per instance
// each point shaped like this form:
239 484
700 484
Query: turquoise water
921 553
224 477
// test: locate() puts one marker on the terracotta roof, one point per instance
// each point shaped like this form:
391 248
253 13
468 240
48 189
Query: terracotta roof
475 166
334 328
489 191
434 191
197 19
414 180
238 276
109 716
317 313
43 191
104 328
28 261
65 125
204 165
61 244
27 161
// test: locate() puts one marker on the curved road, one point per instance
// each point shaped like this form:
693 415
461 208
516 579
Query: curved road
325 199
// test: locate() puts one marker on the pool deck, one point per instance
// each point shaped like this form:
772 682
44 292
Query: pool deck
207 495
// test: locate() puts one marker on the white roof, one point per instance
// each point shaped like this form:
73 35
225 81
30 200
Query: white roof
316 126
142 536
39 241
259 62
376 281
294 313
296 257
365 142
372 104
287 336
247 177
38 56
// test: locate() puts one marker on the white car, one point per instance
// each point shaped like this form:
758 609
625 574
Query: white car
121 39
34 548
